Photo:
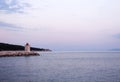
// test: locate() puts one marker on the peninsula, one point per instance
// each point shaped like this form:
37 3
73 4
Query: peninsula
13 47
7 50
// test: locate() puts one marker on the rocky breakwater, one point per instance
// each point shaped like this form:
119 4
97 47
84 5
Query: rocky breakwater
18 53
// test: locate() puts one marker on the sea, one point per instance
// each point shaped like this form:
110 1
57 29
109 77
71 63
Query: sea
62 67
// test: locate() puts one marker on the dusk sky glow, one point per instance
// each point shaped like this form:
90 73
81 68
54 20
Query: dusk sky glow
92 25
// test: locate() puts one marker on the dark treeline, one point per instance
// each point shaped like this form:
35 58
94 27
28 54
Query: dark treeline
11 47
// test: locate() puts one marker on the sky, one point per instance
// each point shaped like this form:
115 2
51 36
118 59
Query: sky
61 25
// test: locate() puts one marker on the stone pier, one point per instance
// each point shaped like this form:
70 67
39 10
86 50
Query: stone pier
18 53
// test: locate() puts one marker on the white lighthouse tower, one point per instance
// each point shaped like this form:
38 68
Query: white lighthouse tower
27 47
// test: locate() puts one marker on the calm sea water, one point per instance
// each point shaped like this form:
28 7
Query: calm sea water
62 67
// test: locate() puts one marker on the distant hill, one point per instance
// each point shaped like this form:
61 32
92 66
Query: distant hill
117 49
12 47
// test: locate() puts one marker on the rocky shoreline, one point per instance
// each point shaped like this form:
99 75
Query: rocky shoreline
18 53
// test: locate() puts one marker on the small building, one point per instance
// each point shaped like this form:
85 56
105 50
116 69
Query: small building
27 47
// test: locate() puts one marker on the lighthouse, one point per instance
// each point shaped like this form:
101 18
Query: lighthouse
27 47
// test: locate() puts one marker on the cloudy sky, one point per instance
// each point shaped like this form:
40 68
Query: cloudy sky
61 24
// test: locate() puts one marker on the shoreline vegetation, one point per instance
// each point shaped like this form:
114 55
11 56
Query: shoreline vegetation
7 50
12 47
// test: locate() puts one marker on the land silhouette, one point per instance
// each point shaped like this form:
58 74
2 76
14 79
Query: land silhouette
13 47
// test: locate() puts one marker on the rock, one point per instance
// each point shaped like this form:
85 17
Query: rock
17 53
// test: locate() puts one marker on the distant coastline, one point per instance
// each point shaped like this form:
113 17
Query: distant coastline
13 47
117 49
8 50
